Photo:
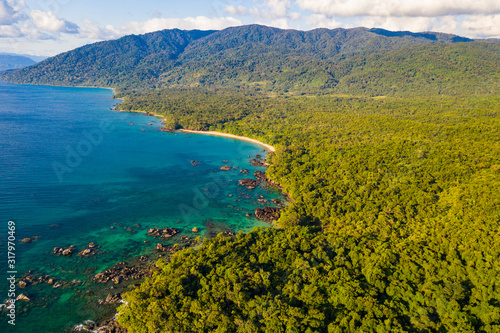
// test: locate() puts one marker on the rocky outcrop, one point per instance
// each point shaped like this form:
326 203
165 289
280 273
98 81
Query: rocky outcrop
278 202
170 249
30 278
91 250
257 162
162 232
225 168
267 214
249 183
121 272
23 297
65 251
260 176
108 326
111 299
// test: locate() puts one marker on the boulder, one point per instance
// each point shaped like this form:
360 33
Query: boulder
260 176
117 279
267 214
277 202
225 168
23 297
26 240
256 162
249 182
85 252
162 232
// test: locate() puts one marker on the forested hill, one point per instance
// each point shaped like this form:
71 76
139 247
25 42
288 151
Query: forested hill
393 224
12 61
251 57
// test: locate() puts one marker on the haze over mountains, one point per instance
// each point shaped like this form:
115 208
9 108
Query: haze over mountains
269 59
14 61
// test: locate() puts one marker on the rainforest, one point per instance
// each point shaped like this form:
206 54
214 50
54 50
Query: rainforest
387 144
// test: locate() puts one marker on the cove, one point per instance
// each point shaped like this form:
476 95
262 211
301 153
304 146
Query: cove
76 172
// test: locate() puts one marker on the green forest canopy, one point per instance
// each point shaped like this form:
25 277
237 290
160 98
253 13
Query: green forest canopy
387 142
393 226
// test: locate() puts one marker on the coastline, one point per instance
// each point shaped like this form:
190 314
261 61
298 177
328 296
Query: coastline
227 135
242 138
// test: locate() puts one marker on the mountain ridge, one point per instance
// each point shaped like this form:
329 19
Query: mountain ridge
14 61
252 57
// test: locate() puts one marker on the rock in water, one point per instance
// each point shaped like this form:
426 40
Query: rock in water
249 182
23 297
267 214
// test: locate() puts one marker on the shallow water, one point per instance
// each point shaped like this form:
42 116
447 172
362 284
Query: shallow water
73 172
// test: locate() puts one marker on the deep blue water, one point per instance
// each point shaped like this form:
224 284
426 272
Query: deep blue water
73 171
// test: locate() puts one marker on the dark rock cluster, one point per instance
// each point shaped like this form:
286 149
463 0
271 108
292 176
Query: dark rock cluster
122 271
267 214
162 232
249 183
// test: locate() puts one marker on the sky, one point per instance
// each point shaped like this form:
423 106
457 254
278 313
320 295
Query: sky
49 27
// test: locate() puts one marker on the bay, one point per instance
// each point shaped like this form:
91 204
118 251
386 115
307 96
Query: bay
73 171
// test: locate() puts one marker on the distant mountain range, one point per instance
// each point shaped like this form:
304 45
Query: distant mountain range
262 58
13 61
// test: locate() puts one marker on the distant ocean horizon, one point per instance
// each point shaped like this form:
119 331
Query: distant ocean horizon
74 172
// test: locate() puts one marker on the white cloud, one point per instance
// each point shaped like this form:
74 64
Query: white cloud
93 31
187 23
295 16
278 8
96 32
400 8
47 21
396 23
274 13
281 23
482 26
31 32
322 21
10 11
236 10
10 31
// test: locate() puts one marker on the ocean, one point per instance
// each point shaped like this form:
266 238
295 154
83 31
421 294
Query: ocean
73 172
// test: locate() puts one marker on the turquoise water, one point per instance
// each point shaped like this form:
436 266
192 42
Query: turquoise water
73 172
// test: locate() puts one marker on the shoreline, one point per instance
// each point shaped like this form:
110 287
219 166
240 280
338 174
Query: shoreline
227 135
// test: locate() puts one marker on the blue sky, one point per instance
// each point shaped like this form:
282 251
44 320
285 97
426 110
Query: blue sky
48 27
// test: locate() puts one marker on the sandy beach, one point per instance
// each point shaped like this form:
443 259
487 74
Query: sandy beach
243 138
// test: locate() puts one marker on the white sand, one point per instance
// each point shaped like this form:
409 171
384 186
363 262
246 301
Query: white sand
243 138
